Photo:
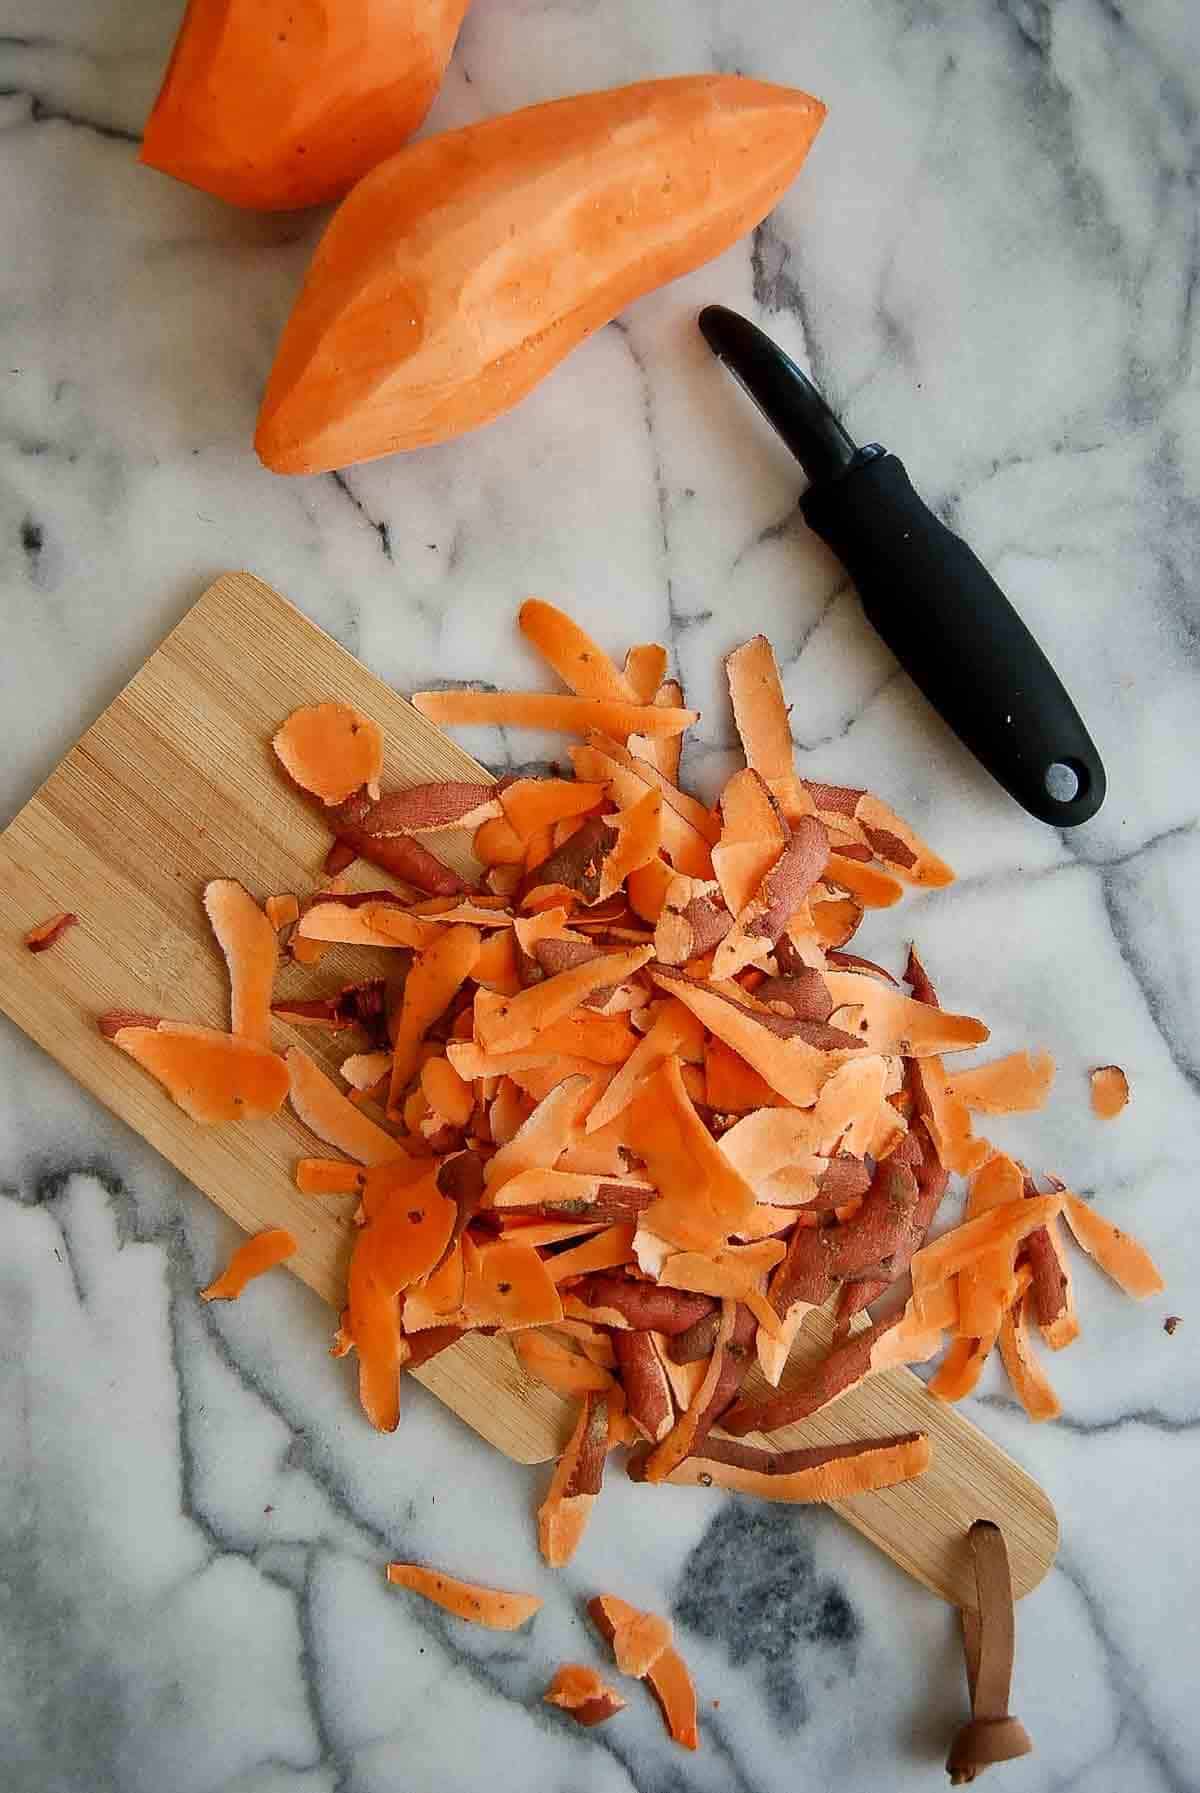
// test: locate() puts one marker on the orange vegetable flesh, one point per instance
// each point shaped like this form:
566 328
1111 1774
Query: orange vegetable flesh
606 1250
680 1440
792 1066
672 1033
628 776
532 804
1118 1254
638 1644
214 1077
666 1672
701 1198
282 911
331 751
247 939
329 1176
332 1117
461 271
252 1258
492 1607
436 976
1012 1085
823 1473
570 1372
516 1022
445 1091
537 709
581 663
578 1474
509 1286
672 1686
645 670
258 95
1024 1372
581 1692
1110 1091
760 710
639 833
753 835
374 923
540 1140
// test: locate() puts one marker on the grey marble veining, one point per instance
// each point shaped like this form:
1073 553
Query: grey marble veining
991 263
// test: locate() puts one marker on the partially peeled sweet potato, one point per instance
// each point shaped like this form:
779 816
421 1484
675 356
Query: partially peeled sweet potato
460 272
275 104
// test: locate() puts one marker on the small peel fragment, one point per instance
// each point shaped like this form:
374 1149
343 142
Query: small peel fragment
1017 1084
563 1515
1110 1091
252 1258
248 940
214 1077
492 1607
580 662
48 933
331 751
282 911
1028 1379
582 1693
318 1102
1118 1253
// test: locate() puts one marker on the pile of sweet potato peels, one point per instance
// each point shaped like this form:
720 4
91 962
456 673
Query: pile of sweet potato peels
631 1100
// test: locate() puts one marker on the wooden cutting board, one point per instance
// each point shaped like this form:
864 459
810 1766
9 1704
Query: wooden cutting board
176 784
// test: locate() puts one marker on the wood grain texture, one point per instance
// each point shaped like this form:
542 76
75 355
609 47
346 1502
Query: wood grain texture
176 784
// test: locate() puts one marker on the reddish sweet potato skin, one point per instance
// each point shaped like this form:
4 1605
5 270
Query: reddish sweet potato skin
646 1307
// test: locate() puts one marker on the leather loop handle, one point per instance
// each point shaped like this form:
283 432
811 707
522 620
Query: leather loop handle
989 1636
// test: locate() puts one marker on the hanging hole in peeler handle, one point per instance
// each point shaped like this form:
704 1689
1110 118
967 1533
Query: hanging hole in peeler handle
1073 787
1064 781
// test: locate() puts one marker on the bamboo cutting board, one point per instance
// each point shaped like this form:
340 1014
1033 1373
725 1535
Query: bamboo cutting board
176 784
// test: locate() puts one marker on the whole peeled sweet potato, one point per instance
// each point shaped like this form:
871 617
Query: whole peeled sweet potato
274 104
460 272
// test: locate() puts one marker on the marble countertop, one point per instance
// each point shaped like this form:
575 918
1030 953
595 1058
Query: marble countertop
991 263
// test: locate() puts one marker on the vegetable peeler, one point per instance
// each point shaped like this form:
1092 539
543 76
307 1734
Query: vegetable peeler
923 589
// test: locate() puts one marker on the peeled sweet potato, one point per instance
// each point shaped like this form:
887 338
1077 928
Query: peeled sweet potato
460 272
274 105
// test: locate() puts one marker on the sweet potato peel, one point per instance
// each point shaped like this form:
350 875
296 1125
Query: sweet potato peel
252 1258
563 1515
582 1693
248 941
492 1607
48 933
537 709
331 751
214 1077
1118 1254
829 1472
1110 1091
665 1673
631 1102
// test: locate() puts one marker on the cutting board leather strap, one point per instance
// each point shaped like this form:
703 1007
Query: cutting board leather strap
989 1635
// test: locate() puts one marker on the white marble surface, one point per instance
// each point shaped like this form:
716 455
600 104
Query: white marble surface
991 262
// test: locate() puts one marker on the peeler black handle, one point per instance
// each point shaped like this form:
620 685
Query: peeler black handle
958 637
